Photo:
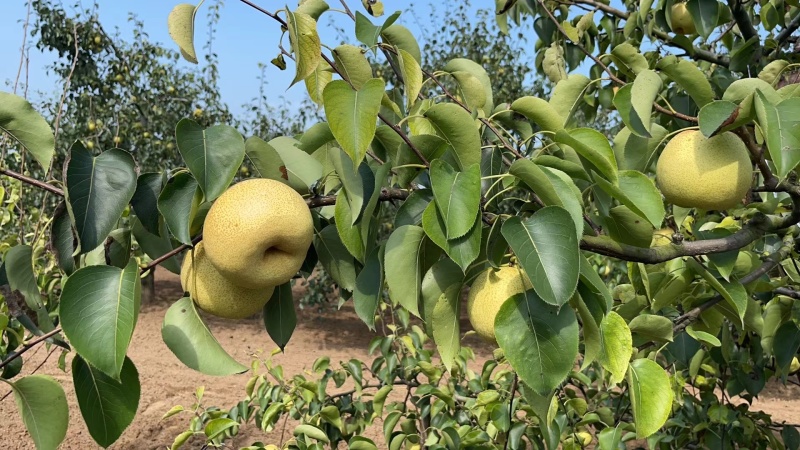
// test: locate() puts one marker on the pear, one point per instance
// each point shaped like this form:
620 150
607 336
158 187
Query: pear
486 295
257 233
215 294
697 172
682 22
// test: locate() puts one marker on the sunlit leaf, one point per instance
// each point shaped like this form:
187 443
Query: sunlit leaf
27 127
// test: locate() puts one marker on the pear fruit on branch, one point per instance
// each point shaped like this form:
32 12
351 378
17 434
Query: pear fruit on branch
706 173
488 293
257 233
216 294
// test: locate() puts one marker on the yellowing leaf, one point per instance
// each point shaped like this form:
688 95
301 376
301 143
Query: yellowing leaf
305 44
412 75
181 29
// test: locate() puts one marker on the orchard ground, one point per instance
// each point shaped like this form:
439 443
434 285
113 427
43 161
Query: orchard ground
167 382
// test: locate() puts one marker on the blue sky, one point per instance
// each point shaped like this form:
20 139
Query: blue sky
244 38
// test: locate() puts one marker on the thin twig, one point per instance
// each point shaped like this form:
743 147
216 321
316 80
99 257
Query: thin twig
17 353
32 181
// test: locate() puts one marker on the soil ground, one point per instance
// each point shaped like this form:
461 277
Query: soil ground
167 382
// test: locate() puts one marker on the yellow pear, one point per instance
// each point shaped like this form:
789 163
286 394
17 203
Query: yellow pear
257 233
487 294
697 172
214 293
682 22
662 237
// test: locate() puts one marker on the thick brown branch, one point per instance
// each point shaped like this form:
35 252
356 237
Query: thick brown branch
32 181
786 33
386 195
754 229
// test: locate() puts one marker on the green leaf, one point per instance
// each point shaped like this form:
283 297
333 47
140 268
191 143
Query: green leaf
591 332
313 8
412 75
701 336
554 188
108 406
316 82
369 287
213 155
442 276
352 114
266 161
786 344
63 239
18 264
457 127
634 101
410 212
98 190
402 263
635 152
279 315
591 281
616 345
367 33
156 245
469 66
312 432
539 112
357 179
780 125
652 327
463 250
471 89
145 200
192 342
623 225
180 24
216 427
592 145
539 340
568 94
733 292
638 192
715 116
27 128
98 310
353 65
400 37
335 257
305 42
349 234
651 396
301 168
689 77
43 405
444 320
178 205
630 57
705 14
457 196
546 246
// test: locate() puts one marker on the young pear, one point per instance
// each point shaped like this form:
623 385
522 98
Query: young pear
257 233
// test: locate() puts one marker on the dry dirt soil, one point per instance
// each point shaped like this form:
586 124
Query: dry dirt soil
167 382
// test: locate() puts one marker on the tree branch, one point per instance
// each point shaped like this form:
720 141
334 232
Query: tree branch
32 181
754 229
769 263
742 18
784 35
757 155
33 343
696 52
611 74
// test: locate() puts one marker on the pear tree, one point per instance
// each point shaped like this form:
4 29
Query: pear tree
638 287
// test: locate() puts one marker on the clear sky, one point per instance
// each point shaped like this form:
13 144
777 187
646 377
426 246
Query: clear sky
244 38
